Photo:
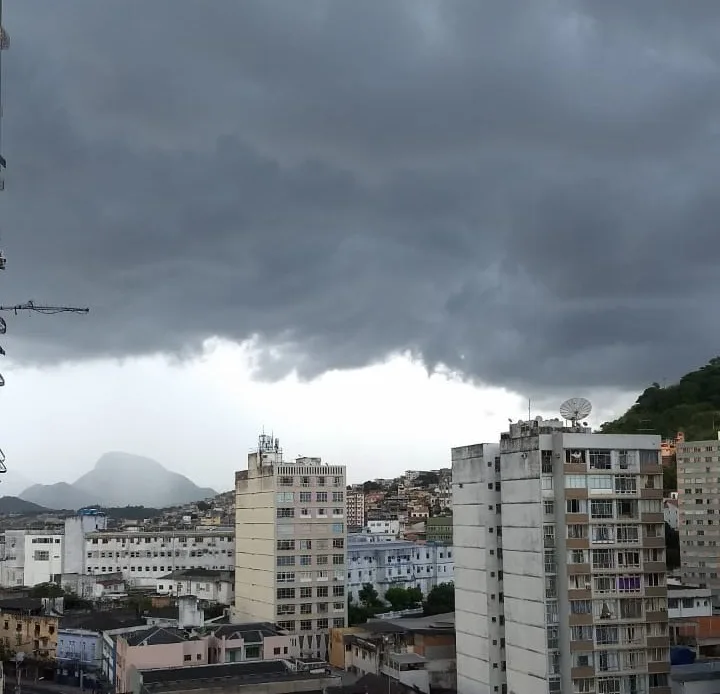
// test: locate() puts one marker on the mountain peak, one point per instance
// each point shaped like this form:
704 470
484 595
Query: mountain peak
120 479
119 460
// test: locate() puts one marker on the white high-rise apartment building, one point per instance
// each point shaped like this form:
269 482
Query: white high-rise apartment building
560 563
698 479
291 545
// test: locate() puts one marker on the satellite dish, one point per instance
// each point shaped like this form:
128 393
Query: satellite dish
575 409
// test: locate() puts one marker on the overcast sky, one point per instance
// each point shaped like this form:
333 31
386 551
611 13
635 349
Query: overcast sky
522 194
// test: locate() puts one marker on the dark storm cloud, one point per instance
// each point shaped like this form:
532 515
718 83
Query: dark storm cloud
523 192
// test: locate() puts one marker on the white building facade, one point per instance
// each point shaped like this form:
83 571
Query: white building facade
204 584
30 557
568 557
385 526
43 559
397 564
291 538
76 528
143 557
479 615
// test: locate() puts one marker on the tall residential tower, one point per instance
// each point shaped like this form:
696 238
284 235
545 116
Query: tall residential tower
560 563
291 545
698 482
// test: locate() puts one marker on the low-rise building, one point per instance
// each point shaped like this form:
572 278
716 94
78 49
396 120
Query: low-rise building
397 564
28 625
143 557
388 526
276 676
161 648
205 584
439 529
418 652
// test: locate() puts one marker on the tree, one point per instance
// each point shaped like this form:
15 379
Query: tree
46 590
440 599
403 598
369 597
203 506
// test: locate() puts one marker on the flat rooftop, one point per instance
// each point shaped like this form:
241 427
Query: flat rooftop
228 675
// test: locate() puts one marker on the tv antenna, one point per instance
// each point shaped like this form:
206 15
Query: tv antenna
575 410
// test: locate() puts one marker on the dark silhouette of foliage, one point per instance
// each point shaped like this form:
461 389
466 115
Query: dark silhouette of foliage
692 406
440 599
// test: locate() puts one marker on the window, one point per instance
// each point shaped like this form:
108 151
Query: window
286 560
306 625
284 497
305 592
577 532
576 506
580 606
285 481
600 484
651 457
603 559
583 633
574 457
338 559
337 496
600 460
252 651
575 481
321 497
338 527
305 544
285 593
305 497
322 591
338 543
603 534
625 484
546 458
627 534
285 545
286 512
601 508
549 508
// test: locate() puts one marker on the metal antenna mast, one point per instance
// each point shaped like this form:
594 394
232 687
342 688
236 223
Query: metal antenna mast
28 305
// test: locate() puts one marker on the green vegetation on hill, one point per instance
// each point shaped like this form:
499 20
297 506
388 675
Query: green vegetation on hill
691 406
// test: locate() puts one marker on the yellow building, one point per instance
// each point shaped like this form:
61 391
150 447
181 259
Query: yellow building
211 521
25 627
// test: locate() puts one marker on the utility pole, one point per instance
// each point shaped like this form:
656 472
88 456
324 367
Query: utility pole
28 305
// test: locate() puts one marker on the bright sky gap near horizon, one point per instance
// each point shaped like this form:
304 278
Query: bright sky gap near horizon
308 207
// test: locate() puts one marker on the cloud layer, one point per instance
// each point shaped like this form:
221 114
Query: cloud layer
526 194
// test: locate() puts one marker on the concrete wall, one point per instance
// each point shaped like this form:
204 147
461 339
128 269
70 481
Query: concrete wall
43 559
74 544
255 550
477 614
